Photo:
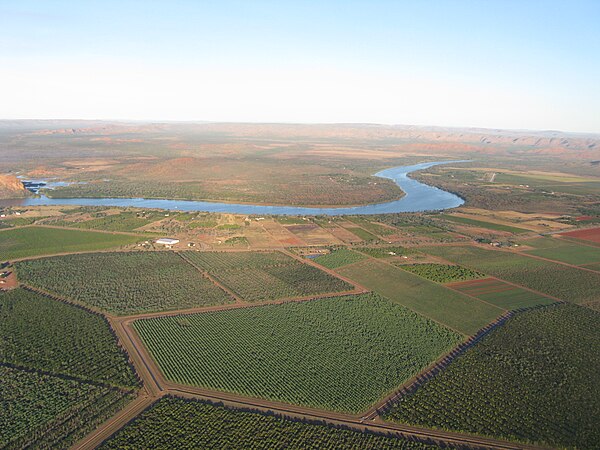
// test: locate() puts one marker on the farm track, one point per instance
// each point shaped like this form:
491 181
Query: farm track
541 258
214 281
327 270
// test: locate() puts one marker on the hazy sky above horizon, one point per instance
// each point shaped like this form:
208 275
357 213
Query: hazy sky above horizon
501 64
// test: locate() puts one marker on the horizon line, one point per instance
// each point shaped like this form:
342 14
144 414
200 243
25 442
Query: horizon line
199 121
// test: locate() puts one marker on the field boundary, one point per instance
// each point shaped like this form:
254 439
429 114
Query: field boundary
214 281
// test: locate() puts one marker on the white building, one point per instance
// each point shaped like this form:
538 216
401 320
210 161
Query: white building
167 241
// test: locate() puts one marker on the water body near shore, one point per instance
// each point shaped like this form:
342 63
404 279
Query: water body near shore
418 197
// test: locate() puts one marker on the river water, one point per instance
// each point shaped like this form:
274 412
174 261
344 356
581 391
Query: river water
418 197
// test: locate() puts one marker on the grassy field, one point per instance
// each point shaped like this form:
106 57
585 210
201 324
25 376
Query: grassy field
373 227
62 372
564 282
124 283
562 251
34 241
533 379
178 423
49 335
339 258
341 353
501 294
362 234
260 276
483 224
594 266
442 273
457 311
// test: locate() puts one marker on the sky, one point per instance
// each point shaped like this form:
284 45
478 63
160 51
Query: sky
519 64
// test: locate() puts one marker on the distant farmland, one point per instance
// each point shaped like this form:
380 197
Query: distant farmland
564 251
565 282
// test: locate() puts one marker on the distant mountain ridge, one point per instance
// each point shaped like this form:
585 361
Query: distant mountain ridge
543 142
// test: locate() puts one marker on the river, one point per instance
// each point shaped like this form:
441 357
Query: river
418 197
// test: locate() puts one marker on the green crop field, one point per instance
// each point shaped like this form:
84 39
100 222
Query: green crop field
342 353
62 372
46 334
501 294
533 379
34 241
483 224
339 258
562 251
450 308
124 283
442 273
260 276
362 234
177 423
593 266
373 227
564 282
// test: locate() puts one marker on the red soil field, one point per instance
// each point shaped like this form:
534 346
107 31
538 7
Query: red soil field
479 287
593 234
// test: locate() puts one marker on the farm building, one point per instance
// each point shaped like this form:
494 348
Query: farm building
167 241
